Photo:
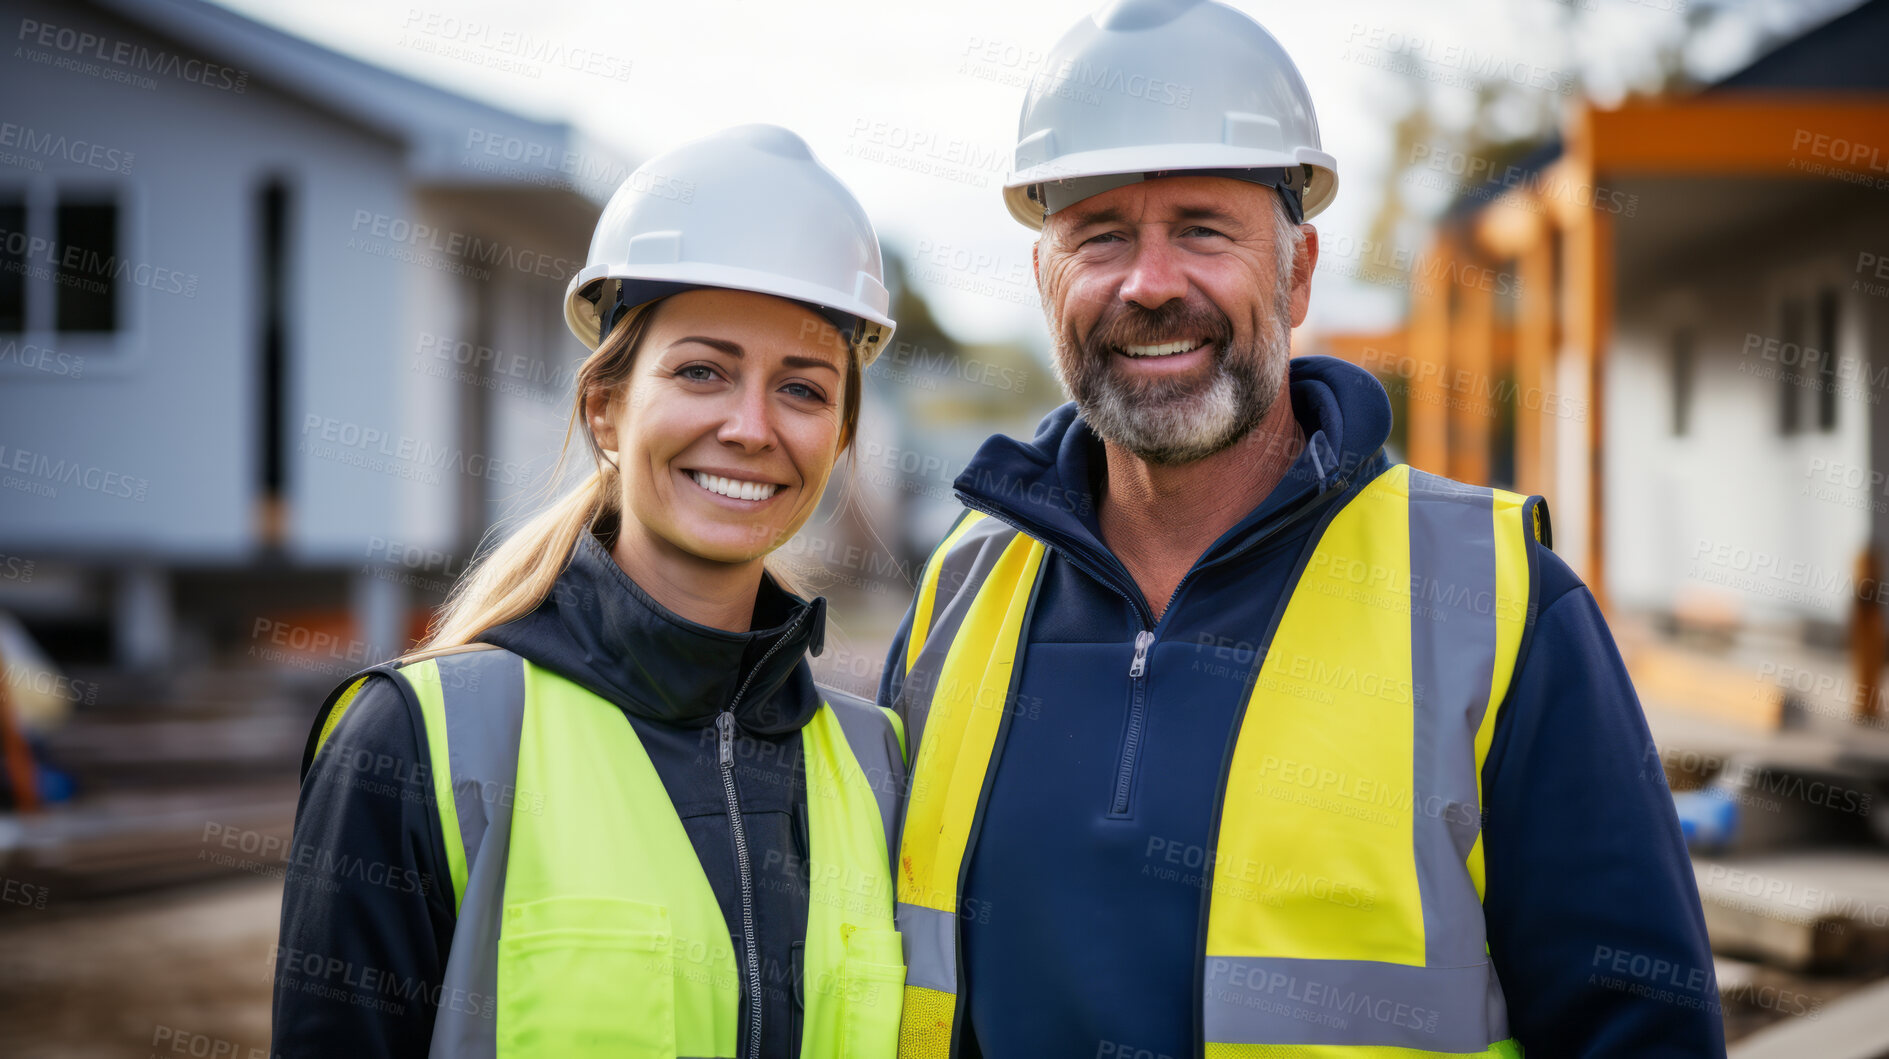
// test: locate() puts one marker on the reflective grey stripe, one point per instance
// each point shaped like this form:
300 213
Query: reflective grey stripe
1273 1000
1452 654
1453 657
931 947
484 693
875 745
960 574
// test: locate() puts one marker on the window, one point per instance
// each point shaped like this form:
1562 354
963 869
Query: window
85 291
1682 382
12 263
1827 360
1790 367
73 247
272 209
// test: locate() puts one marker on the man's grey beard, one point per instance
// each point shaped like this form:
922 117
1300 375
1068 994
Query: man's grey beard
1171 421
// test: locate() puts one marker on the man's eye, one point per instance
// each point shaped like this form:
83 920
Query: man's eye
1105 237
1203 230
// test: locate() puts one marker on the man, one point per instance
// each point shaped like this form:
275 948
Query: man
1228 731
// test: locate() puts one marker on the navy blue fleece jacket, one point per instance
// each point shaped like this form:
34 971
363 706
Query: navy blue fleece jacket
1082 943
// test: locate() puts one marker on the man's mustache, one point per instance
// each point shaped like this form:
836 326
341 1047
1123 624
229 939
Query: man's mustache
1129 324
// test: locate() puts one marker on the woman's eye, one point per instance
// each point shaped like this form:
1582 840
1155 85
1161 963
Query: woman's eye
803 391
697 373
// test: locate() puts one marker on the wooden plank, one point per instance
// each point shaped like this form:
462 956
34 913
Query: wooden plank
1854 1027
1815 910
1725 691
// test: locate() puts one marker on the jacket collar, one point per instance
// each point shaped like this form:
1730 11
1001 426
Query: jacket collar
1048 487
602 630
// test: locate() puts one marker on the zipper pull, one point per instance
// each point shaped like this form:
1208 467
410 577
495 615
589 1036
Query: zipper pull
725 725
1143 640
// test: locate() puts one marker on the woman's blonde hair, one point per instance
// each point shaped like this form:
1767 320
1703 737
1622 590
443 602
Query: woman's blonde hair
510 581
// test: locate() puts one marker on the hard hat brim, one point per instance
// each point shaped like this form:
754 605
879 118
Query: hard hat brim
1115 161
580 306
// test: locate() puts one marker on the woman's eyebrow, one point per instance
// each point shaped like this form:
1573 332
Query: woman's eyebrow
734 349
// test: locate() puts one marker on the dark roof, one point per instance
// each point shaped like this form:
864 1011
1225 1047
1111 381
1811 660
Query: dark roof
1849 51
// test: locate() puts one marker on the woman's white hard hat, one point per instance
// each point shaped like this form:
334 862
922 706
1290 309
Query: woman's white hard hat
748 208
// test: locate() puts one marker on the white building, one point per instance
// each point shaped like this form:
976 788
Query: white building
279 330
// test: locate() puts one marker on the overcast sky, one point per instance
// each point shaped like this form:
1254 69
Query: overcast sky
882 88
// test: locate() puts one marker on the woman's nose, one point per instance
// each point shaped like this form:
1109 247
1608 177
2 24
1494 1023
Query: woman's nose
749 421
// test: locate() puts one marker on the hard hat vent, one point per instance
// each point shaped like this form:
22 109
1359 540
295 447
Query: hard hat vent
773 139
1128 15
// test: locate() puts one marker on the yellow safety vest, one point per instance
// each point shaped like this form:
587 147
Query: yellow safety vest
586 926
1343 915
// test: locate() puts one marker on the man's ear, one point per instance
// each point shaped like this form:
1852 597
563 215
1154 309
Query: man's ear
1302 265
1036 267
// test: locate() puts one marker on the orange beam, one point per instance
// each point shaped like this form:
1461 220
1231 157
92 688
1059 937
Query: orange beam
1742 134
1427 426
1589 277
1471 382
1534 357
21 773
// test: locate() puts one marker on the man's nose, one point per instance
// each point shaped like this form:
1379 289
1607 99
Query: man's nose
1154 276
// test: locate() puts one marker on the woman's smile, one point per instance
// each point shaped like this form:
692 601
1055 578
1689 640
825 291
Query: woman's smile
747 490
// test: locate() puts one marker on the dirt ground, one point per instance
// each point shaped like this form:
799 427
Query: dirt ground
183 972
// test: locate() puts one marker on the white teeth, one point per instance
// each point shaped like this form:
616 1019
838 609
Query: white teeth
1165 349
734 487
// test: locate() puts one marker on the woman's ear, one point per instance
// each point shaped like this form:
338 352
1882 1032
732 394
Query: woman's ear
598 414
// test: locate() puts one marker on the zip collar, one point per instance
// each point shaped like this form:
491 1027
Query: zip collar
600 629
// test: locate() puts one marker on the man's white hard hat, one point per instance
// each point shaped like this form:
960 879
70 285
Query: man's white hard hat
748 208
1146 87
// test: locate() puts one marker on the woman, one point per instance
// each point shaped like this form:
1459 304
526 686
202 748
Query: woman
603 810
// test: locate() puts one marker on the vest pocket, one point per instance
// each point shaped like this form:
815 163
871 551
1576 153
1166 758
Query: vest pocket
586 976
872 991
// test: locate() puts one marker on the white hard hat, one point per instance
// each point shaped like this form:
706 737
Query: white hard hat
748 208
1154 86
